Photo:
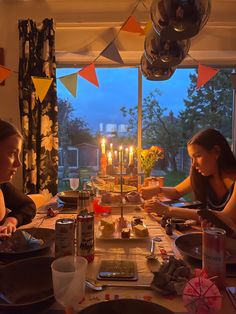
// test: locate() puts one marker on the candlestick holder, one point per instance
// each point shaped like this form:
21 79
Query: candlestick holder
103 164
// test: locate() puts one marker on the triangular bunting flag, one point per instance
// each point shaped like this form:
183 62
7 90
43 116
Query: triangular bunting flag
89 73
70 82
112 53
4 73
233 80
41 85
205 74
131 25
147 27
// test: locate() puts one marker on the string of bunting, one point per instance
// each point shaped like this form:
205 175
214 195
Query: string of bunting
111 52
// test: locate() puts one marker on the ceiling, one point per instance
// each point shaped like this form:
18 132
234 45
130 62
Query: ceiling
85 27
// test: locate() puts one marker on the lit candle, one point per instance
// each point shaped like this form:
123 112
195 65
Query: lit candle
115 155
109 155
111 148
103 146
131 154
126 153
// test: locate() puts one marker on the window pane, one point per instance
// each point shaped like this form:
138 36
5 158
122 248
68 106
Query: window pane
95 113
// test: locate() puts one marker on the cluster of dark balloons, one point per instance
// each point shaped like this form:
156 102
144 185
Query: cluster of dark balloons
174 22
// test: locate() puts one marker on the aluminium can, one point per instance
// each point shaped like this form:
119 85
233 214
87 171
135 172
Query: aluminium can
65 237
213 254
85 236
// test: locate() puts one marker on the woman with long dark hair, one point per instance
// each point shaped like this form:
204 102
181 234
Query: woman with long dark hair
212 179
15 207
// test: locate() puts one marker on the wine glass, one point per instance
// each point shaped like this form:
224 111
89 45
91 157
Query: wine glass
74 183
68 276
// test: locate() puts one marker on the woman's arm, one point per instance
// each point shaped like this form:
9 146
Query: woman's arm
229 212
170 192
22 208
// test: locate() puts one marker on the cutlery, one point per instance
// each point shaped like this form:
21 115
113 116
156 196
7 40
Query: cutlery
230 292
97 286
5 298
152 256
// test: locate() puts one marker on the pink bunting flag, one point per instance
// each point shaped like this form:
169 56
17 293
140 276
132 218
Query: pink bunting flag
89 74
205 73
131 25
111 52
4 73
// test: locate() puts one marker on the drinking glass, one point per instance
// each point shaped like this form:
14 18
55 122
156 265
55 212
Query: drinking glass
68 276
74 183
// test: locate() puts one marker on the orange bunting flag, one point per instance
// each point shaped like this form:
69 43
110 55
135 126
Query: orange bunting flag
205 74
89 74
70 82
41 85
111 52
132 26
4 73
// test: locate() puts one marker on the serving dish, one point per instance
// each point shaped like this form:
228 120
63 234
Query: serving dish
126 306
190 245
27 285
69 197
18 247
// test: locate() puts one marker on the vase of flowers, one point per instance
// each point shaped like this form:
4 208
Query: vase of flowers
149 157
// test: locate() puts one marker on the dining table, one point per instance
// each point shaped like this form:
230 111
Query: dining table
132 249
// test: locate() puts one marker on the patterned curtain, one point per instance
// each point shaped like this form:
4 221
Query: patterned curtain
39 119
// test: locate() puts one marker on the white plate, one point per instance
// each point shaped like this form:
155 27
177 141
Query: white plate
116 235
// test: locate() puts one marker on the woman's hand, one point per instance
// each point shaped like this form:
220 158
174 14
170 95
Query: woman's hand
8 227
154 205
148 192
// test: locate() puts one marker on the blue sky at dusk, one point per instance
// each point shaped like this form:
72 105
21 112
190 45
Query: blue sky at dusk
118 87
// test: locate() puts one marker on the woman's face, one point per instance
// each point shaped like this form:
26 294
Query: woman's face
204 160
10 149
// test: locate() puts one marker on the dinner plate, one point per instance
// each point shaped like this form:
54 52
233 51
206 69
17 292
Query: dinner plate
27 285
126 306
190 245
17 246
69 197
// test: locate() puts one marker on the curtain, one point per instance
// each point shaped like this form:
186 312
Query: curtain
38 119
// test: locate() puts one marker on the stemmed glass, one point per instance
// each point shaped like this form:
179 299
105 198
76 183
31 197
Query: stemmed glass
74 183
68 276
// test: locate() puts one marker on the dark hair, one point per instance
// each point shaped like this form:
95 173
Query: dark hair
208 139
7 130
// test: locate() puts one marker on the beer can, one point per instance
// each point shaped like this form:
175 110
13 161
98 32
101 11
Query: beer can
65 237
213 254
85 235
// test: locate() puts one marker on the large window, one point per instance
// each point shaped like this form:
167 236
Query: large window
172 111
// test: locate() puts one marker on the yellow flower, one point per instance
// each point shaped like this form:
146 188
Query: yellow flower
149 157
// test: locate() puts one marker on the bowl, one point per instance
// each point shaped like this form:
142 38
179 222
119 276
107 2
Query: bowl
27 285
125 306
68 196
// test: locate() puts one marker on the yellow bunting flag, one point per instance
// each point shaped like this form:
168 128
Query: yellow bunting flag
70 82
41 85
147 27
111 52
131 25
89 73
4 73
205 74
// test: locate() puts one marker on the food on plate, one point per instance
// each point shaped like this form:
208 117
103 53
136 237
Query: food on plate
125 233
140 230
136 221
171 277
125 188
133 197
109 198
121 223
32 241
107 227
